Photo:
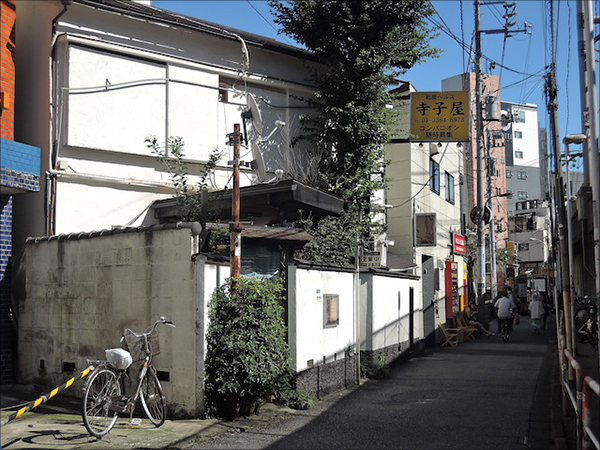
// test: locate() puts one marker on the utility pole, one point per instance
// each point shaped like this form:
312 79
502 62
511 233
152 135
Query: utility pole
479 157
571 139
235 227
589 104
481 263
551 91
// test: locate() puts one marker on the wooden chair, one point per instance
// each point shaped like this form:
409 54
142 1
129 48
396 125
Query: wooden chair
450 336
462 323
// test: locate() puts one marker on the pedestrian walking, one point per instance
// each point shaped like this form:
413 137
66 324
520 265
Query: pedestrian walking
511 297
505 308
536 311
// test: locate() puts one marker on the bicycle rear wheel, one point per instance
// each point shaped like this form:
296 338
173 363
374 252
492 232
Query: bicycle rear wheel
153 400
98 417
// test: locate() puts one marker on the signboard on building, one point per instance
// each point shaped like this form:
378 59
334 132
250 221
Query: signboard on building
440 116
370 259
459 244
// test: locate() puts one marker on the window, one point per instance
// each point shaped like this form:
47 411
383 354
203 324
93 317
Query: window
434 176
519 154
508 174
523 246
521 175
522 195
426 233
449 188
518 116
518 135
331 310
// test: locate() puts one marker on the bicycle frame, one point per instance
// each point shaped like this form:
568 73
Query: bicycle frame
104 394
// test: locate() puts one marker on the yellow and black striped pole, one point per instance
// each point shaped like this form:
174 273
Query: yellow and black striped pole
45 398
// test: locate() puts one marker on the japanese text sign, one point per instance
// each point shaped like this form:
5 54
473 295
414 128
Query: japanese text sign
459 244
440 116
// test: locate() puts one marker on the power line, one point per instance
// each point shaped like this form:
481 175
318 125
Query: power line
446 29
267 21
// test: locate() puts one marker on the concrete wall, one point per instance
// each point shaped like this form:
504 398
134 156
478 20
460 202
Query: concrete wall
83 290
324 357
386 312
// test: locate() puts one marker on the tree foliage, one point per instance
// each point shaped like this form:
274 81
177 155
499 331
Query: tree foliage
189 198
360 46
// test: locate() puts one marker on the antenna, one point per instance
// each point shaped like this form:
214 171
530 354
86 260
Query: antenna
258 163
254 113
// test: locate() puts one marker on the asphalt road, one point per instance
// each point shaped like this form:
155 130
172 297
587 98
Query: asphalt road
483 394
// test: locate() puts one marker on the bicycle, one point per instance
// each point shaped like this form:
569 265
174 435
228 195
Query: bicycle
104 395
505 326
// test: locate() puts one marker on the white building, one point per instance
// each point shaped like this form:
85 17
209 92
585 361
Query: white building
425 213
91 94
526 164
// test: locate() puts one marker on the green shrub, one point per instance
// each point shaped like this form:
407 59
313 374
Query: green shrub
247 358
296 399
377 370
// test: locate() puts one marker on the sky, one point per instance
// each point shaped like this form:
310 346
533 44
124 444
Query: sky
520 60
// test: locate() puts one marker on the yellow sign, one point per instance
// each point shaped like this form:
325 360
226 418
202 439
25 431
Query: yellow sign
440 116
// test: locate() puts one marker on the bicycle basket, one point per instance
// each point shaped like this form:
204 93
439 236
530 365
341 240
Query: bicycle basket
136 346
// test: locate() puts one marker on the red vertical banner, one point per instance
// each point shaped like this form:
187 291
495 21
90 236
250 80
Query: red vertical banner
451 287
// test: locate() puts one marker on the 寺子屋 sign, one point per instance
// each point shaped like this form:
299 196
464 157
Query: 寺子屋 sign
439 116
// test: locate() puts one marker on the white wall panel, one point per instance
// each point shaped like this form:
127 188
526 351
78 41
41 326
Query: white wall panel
112 104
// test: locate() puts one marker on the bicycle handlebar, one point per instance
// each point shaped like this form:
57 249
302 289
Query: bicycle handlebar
149 331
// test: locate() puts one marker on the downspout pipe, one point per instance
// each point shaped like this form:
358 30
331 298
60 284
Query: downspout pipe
52 154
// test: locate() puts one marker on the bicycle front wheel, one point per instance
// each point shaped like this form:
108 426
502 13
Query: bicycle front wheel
153 400
98 417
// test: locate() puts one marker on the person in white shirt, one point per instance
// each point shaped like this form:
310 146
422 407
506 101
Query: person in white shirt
504 310
536 310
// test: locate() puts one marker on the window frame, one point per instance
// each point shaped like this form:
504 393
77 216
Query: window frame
450 194
434 176
331 310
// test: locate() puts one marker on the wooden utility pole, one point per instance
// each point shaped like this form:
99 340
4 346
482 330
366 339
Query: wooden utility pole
235 227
